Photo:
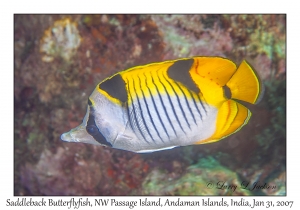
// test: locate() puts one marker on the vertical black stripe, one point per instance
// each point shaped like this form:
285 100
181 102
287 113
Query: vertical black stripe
178 100
157 110
195 104
164 108
170 101
129 117
148 111
142 114
136 124
201 103
186 103
190 107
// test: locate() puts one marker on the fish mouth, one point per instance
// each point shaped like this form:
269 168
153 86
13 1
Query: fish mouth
67 137
78 134
74 134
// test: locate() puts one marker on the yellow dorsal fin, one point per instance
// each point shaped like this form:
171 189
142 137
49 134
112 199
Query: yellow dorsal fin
232 116
215 69
245 85
210 74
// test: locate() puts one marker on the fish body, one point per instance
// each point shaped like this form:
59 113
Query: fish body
169 104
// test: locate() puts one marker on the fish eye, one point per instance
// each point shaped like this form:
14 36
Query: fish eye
91 129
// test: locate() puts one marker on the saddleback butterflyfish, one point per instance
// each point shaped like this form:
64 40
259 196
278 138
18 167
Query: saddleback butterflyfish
169 104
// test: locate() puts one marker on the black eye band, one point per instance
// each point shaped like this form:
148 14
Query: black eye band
93 130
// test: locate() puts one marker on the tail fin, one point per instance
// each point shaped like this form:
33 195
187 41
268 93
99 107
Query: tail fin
245 84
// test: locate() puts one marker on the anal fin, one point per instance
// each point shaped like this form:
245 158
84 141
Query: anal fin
232 116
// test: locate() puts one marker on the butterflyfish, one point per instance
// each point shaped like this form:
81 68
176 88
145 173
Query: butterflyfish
169 104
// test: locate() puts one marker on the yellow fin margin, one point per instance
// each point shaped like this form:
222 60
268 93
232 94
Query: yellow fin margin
232 116
245 84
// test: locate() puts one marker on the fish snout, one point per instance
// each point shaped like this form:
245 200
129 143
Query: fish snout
78 134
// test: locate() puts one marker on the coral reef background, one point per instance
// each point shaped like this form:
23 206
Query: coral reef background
59 59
